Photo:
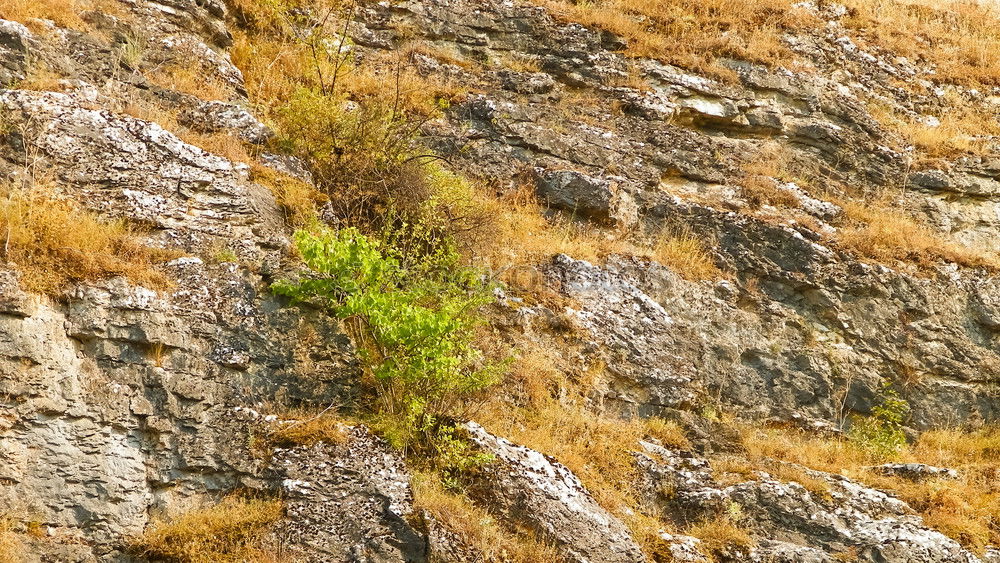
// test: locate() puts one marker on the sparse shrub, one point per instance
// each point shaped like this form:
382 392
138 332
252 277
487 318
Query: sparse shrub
235 530
54 243
454 457
881 434
413 317
358 136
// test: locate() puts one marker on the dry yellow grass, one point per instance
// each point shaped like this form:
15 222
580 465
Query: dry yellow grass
966 509
875 230
41 78
10 547
957 36
761 174
721 539
64 13
685 254
521 218
962 129
308 430
193 80
475 527
235 530
300 200
693 33
54 243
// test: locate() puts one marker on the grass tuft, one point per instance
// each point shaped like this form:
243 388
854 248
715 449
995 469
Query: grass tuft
475 527
231 531
55 243
10 547
309 431
876 231
721 539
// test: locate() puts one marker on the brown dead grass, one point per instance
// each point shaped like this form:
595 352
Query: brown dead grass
55 243
301 201
192 80
963 129
722 539
275 69
959 37
234 530
693 33
966 509
306 430
475 527
64 13
10 547
521 218
878 231
43 79
760 176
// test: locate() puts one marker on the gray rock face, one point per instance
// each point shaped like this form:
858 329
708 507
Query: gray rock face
801 324
799 349
213 117
14 42
117 403
126 167
603 200
916 471
530 488
348 502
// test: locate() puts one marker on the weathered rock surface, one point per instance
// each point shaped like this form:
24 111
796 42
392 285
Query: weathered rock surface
119 402
802 324
348 502
797 524
528 487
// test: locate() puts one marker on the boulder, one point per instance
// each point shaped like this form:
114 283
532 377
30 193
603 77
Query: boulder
532 489
348 502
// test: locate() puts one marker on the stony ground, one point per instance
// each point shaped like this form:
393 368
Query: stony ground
119 404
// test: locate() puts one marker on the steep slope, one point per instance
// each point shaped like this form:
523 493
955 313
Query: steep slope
722 265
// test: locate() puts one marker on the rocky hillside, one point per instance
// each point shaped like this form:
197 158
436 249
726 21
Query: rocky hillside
608 281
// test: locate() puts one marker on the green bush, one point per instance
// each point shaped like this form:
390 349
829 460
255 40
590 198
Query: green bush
881 435
413 316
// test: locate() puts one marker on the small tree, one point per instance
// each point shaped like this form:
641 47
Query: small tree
881 435
414 325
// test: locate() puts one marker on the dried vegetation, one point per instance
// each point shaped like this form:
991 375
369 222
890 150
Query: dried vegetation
55 243
234 530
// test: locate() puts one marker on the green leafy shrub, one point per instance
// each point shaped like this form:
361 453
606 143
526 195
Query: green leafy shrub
881 435
413 316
